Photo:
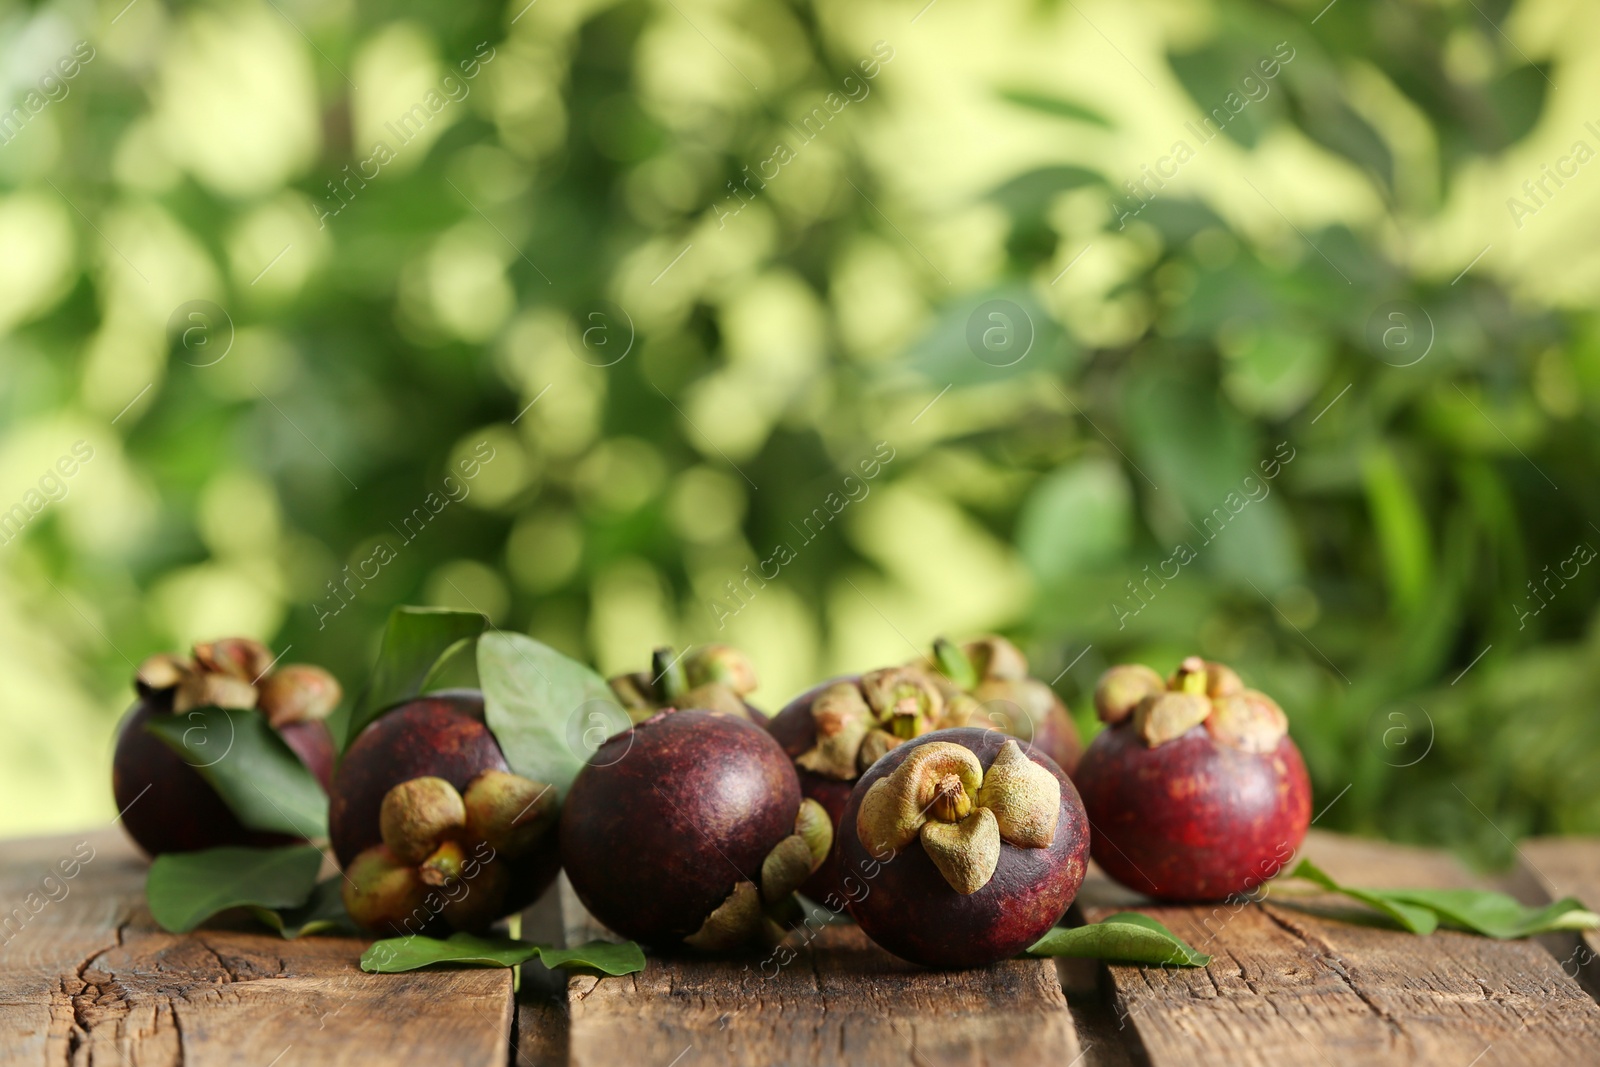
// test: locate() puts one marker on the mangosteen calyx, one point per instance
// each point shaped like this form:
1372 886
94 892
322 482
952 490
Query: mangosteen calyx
1199 691
734 923
842 720
942 796
461 843
237 672
743 917
712 677
857 722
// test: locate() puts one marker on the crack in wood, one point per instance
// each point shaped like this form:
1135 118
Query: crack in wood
1324 953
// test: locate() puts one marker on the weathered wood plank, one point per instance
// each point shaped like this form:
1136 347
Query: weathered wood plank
89 978
840 999
1290 984
1563 867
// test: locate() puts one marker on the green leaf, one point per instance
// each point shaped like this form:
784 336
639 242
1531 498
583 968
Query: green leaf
607 957
954 664
1054 105
1415 919
257 775
1274 369
414 640
534 699
1127 937
1481 911
323 913
184 889
456 668
1400 521
1497 915
1028 196
470 950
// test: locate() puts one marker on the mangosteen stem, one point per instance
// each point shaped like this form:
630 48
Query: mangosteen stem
950 800
667 674
954 664
1194 680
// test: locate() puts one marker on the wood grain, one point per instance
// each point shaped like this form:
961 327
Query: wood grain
90 979
1568 867
840 999
87 978
1293 983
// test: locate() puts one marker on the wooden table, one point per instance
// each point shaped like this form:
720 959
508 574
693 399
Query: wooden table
87 978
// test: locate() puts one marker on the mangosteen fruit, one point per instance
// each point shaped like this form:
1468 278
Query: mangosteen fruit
440 735
962 847
712 677
689 827
836 730
432 829
166 804
1194 790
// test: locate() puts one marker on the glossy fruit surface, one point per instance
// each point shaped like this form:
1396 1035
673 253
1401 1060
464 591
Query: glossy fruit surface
166 805
441 735
165 802
1190 819
670 817
1194 790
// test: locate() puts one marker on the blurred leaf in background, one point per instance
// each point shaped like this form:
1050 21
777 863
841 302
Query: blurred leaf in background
1249 328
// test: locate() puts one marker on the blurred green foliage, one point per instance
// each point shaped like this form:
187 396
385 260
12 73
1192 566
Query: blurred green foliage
605 337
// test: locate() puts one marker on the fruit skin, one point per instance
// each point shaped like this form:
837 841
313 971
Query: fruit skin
793 729
440 735
1006 705
312 742
905 905
1190 819
668 816
166 805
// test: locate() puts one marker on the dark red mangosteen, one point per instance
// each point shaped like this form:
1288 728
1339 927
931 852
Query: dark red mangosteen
689 827
431 827
836 730
961 848
166 805
1195 790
